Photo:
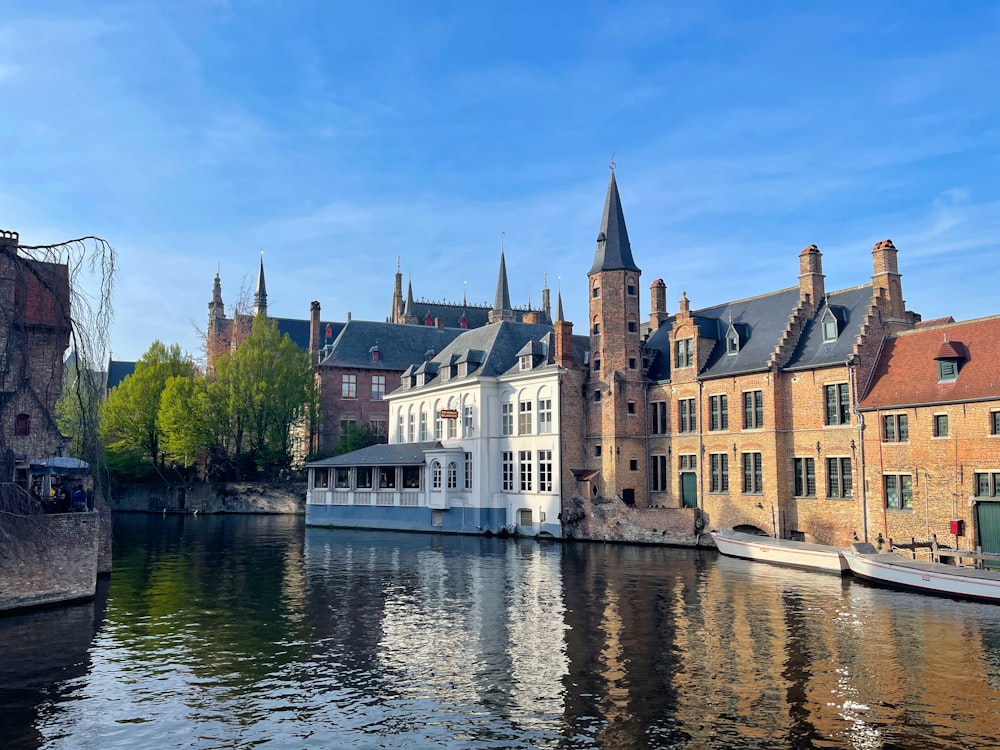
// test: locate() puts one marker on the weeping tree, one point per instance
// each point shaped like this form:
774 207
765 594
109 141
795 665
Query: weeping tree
53 298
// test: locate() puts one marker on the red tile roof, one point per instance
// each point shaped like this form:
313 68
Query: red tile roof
907 370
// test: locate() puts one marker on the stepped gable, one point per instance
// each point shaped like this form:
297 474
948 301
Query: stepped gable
849 307
399 345
907 369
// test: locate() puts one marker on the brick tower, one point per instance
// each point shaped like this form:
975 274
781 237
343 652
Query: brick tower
616 419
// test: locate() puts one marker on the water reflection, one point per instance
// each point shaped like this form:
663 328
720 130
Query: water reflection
237 632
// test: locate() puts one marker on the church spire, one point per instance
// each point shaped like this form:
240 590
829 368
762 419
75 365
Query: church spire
260 294
501 302
559 310
409 317
614 253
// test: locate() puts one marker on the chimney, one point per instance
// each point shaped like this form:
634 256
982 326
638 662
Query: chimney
811 287
348 316
886 280
8 241
531 317
314 331
563 355
658 304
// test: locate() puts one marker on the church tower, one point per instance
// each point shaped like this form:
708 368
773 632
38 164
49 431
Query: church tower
501 302
616 420
260 293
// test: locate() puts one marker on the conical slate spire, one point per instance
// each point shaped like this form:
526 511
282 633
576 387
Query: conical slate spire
559 310
408 307
502 300
614 253
260 295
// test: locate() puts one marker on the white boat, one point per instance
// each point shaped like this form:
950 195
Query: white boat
929 577
787 552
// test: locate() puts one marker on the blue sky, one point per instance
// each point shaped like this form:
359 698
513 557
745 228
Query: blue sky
338 136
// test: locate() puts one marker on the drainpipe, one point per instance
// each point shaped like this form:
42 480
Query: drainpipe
853 385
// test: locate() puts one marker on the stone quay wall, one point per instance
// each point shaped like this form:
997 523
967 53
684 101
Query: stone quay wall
610 520
214 497
48 559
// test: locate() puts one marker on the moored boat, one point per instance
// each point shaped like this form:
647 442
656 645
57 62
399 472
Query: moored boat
928 577
787 552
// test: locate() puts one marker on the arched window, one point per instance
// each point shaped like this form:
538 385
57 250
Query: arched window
436 475
452 475
22 425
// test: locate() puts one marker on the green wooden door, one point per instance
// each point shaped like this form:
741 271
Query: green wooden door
689 489
988 523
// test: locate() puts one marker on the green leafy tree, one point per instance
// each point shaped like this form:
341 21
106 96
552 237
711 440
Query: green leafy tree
184 422
129 419
263 391
77 409
354 437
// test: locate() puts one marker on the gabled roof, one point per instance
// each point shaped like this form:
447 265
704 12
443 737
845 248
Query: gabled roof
296 329
399 345
613 249
118 370
500 342
907 372
396 454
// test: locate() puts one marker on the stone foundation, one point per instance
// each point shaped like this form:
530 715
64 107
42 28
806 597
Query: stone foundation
221 497
610 520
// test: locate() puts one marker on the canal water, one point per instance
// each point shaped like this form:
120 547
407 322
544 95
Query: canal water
255 632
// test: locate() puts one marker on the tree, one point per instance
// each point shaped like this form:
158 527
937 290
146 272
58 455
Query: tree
129 419
77 409
183 418
354 437
268 384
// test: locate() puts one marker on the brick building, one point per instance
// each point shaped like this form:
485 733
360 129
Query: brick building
35 303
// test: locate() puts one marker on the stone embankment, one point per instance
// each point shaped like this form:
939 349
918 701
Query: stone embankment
221 497
610 520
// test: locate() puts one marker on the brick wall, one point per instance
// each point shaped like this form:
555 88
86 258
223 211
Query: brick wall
362 409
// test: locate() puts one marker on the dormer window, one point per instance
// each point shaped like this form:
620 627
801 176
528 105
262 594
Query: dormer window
950 357
947 370
830 326
524 362
732 340
375 353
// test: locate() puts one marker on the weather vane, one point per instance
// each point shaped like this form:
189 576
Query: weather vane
612 164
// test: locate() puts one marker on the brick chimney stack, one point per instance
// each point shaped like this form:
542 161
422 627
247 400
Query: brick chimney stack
887 281
314 331
811 286
658 304
8 241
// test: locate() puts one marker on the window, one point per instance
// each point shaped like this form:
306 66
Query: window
632 327
839 479
597 451
468 471
805 477
753 474
346 424
410 427
631 407
437 518
423 426
895 429
838 407
342 478
686 415
718 412
633 464
597 395
438 425
658 418
544 416
658 469
940 425
524 418
631 363
452 424
436 475
630 289
732 341
947 370
467 421
506 418
349 386
898 491
687 462
378 427
597 365
364 477
399 427
684 353
22 425
387 477
411 477
830 327
507 462
753 410
597 292
987 484
378 387
524 470
545 471
597 327
452 475
719 472
995 422
321 478
524 517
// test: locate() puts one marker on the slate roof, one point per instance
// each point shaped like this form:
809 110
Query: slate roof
399 345
906 373
849 306
118 370
760 323
451 313
296 328
499 341
396 454
613 249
